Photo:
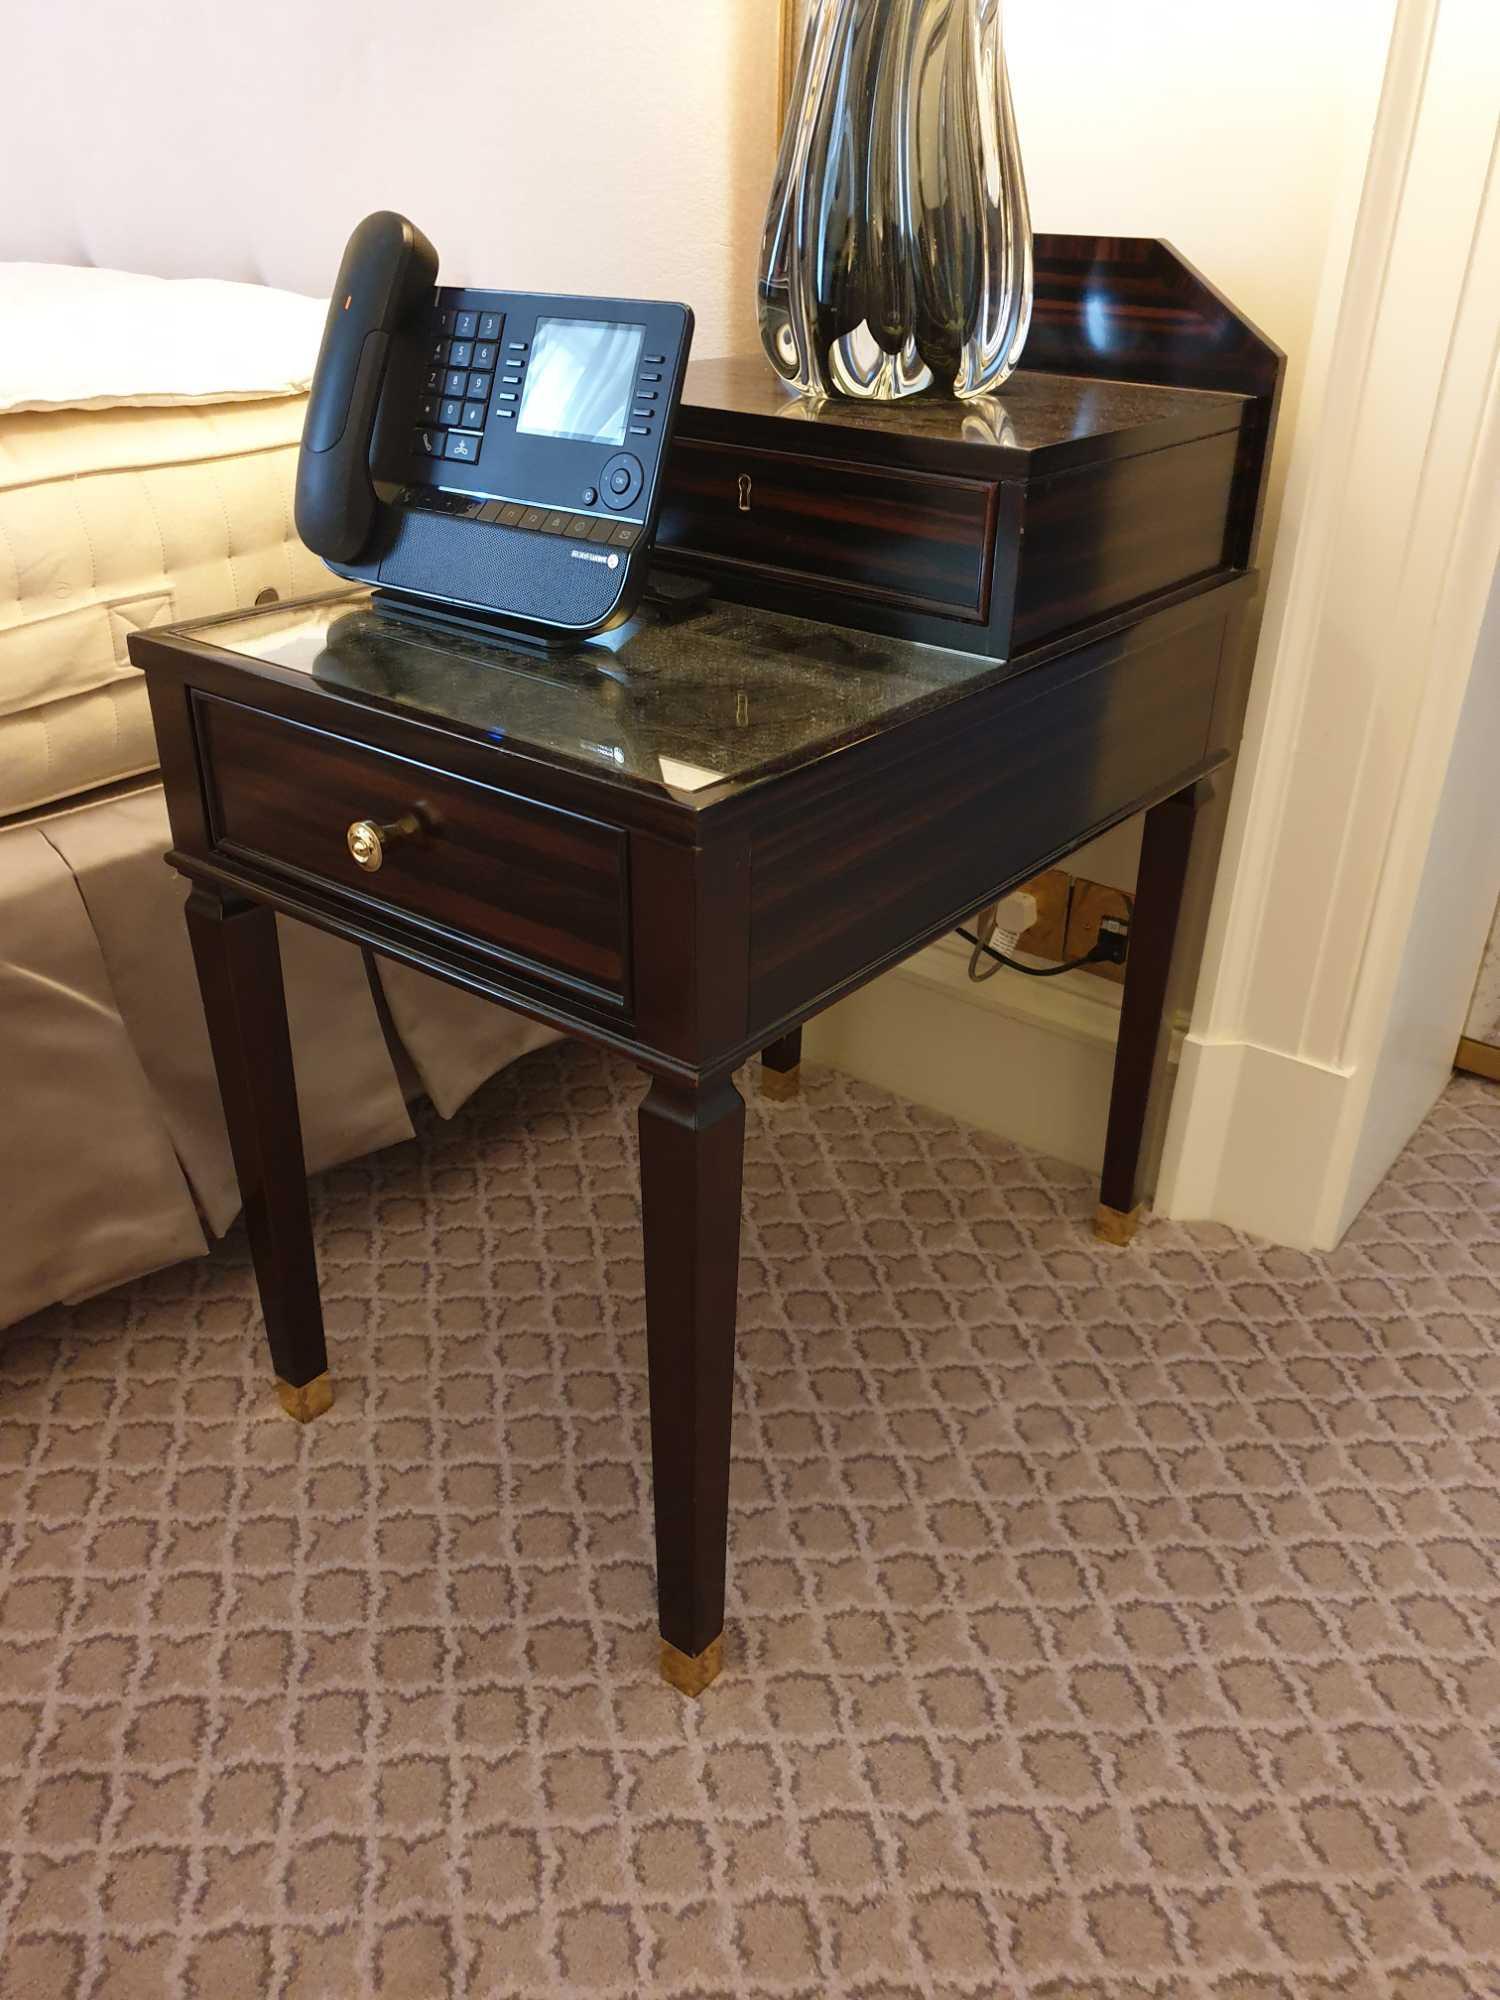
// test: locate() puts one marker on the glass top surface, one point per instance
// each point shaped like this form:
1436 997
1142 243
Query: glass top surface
685 705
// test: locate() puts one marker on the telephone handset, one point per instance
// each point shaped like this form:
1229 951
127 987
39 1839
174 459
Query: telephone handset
383 289
491 456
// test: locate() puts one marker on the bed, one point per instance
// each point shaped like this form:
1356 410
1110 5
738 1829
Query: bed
148 435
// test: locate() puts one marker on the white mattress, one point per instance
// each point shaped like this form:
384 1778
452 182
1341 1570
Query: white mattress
116 519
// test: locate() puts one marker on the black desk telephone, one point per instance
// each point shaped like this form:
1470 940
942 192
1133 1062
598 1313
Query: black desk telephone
487 455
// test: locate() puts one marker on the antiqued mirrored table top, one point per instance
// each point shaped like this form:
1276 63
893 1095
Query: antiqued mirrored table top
690 705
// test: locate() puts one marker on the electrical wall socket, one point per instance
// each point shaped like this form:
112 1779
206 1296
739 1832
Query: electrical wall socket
1089 905
1070 910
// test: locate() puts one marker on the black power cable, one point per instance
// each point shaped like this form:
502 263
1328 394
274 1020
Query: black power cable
1110 950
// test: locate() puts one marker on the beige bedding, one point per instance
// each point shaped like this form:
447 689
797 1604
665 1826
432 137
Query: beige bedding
115 519
113 1154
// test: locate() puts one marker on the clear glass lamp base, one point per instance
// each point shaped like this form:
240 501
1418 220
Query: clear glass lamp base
897 254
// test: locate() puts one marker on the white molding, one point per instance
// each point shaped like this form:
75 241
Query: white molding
1074 1004
1029 1060
1377 599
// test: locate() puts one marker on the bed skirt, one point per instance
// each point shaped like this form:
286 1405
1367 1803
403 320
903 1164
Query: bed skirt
113 1155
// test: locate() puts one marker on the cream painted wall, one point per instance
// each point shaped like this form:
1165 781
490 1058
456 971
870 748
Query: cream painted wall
584 147
1218 128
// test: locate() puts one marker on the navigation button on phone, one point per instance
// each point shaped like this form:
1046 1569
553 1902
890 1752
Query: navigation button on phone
623 481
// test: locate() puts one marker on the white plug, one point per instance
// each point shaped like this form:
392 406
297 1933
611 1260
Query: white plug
1013 919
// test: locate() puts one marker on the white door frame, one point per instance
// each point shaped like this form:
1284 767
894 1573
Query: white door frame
1331 999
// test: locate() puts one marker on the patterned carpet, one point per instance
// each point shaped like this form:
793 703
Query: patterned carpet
1103 1623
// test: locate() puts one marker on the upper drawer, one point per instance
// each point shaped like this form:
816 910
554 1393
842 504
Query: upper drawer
543 888
913 539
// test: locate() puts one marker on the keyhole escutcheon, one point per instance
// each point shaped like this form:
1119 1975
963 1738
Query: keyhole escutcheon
745 485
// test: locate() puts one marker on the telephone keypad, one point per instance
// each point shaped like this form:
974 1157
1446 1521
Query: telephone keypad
465 387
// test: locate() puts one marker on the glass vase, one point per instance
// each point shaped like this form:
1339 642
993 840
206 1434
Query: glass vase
897 254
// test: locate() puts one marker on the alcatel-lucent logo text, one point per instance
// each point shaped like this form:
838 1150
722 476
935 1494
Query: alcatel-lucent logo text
588 555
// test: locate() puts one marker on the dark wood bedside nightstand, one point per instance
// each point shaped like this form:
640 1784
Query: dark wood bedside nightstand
681 847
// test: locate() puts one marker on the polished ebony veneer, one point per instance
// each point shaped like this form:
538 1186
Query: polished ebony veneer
947 645
1124 460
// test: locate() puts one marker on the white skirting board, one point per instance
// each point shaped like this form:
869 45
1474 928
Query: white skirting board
1028 1059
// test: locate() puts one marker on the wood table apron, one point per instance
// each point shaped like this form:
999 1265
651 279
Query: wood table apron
687 940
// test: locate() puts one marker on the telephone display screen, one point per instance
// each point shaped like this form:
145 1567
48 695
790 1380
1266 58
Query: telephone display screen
581 379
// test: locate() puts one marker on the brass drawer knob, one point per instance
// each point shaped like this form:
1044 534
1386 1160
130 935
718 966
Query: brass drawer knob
368 839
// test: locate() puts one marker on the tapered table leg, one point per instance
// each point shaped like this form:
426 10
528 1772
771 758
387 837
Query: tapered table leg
1140 1056
781 1068
239 974
692 1154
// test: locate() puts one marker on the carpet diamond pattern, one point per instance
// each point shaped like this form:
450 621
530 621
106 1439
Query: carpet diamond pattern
1105 1625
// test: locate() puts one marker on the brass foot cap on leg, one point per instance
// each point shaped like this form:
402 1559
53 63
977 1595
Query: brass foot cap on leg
781 1085
310 1400
691 1673
1117 1226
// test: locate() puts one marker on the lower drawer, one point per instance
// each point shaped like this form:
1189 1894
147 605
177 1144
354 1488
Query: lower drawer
541 888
